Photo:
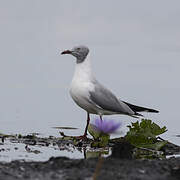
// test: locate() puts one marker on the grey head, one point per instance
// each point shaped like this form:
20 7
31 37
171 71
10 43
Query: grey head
80 52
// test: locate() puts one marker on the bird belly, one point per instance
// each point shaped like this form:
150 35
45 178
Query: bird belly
83 102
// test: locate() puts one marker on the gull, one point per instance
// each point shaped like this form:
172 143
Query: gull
91 95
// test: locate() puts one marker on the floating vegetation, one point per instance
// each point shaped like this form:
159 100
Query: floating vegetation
144 134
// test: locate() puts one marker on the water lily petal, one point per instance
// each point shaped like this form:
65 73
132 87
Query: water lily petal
106 126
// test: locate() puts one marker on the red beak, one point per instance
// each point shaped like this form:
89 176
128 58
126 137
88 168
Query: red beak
66 52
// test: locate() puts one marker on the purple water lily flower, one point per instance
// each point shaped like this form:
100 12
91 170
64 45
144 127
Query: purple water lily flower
106 126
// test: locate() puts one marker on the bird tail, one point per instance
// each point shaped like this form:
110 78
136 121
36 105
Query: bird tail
140 109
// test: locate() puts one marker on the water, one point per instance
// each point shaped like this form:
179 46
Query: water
17 151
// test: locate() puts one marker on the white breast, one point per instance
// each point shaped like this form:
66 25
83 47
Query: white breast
80 94
81 85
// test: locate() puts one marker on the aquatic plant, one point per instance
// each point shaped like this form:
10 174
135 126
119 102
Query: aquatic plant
144 134
101 130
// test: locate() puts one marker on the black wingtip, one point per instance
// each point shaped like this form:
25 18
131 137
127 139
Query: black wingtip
140 109
153 111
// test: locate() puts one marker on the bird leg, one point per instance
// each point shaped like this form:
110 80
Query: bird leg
84 137
88 120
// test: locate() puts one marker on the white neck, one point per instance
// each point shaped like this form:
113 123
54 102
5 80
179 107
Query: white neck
83 71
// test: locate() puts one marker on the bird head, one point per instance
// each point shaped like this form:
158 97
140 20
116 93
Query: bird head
80 52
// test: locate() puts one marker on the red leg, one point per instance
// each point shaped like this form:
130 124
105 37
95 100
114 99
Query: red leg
85 132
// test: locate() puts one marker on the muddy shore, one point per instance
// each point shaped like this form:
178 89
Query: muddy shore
109 168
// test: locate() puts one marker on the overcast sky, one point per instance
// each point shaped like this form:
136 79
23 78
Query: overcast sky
134 46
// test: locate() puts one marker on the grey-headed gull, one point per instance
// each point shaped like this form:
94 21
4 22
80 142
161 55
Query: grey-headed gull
92 96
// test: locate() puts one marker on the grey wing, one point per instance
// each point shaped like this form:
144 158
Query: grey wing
105 99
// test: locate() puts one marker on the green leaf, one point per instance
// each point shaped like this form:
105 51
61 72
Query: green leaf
93 131
143 134
156 146
102 138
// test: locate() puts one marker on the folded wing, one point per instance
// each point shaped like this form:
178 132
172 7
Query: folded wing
105 99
